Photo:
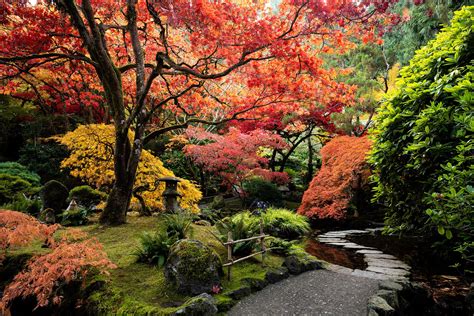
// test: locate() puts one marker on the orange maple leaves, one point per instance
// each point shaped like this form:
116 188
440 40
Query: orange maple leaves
343 169
71 258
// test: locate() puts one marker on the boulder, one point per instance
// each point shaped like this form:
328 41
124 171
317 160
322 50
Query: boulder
379 306
276 275
201 305
239 293
297 265
255 284
193 267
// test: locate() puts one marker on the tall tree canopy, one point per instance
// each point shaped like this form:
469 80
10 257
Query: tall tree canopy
154 66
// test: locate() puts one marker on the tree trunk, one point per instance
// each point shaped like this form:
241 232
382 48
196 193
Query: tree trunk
309 174
115 212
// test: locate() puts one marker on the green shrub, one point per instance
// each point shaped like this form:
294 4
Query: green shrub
11 187
279 246
86 196
54 195
75 217
45 159
424 140
18 170
259 189
25 205
284 223
178 225
154 248
242 225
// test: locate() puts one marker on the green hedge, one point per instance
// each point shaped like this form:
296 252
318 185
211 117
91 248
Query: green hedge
424 141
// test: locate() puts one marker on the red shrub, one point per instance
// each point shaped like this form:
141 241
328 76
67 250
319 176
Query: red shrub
70 259
343 165
20 229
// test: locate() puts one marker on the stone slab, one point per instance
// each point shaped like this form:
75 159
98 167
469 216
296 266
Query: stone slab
389 271
326 240
369 251
379 256
384 263
356 246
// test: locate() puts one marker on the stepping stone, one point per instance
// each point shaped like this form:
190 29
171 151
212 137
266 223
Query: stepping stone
327 240
339 269
370 256
389 271
339 244
370 275
332 235
356 246
369 251
384 263
355 231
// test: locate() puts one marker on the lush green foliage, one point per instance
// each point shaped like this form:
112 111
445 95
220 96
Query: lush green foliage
18 170
424 140
45 159
242 225
12 187
178 225
419 24
54 195
75 217
155 247
259 189
86 196
284 223
24 204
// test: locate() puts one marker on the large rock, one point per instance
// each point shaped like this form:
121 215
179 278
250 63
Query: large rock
201 305
379 306
193 267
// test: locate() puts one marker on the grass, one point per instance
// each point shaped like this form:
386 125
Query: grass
142 285
141 289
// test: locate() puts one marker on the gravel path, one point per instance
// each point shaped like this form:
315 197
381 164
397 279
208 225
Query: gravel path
319 292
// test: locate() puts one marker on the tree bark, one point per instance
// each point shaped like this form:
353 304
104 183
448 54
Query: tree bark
309 174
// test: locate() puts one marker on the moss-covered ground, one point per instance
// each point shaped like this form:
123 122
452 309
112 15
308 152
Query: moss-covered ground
140 288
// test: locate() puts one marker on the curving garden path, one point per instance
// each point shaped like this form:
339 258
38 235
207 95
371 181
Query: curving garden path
319 292
336 291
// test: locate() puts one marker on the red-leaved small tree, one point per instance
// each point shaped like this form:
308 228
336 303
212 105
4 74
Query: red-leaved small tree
235 156
344 169
19 229
71 259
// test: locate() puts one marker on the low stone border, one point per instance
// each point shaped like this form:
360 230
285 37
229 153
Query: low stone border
205 304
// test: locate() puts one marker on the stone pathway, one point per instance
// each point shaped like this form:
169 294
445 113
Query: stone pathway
339 291
380 266
318 292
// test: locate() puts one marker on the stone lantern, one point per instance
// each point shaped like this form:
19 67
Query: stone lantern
170 195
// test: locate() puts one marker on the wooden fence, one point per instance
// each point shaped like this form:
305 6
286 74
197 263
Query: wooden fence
230 242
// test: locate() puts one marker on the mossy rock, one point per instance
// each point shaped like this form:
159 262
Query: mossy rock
54 195
193 267
201 305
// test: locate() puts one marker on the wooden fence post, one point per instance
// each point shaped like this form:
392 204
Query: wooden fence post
229 253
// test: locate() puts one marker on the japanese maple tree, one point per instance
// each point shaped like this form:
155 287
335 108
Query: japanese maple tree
344 169
235 156
137 60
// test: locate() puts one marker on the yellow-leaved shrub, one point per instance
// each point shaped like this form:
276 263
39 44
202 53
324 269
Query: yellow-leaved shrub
91 160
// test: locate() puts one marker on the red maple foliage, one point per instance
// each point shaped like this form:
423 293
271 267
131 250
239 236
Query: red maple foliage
71 259
235 156
19 229
343 169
